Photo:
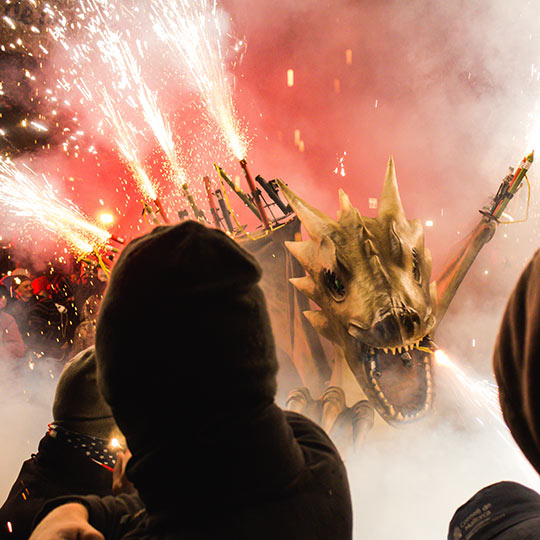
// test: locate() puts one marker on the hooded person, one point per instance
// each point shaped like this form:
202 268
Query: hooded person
191 378
74 456
516 364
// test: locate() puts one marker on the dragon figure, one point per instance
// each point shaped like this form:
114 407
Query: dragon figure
371 279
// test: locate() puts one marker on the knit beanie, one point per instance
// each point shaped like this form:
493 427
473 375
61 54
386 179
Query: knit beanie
198 346
516 362
78 405
502 511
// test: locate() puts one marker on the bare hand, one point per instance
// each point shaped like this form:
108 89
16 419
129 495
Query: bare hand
67 522
120 483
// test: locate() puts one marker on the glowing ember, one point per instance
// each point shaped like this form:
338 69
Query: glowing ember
115 443
24 193
193 31
290 78
106 218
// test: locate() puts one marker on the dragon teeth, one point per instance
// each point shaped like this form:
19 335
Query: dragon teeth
385 349
399 416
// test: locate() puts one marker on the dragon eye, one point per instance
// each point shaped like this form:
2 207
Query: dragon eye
416 266
334 285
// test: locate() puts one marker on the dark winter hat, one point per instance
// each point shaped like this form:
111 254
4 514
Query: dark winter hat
502 511
78 404
196 346
516 362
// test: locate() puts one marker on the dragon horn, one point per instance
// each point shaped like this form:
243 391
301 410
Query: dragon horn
314 221
390 202
347 212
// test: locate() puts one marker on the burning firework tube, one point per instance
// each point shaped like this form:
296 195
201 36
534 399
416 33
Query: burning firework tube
238 191
196 210
255 194
211 201
162 213
147 209
224 210
117 239
509 187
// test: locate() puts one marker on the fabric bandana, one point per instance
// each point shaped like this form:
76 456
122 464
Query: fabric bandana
95 448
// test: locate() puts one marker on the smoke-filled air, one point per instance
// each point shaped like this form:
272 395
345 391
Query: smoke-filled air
117 116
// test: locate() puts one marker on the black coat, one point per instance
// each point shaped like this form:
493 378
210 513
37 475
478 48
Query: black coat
56 470
313 505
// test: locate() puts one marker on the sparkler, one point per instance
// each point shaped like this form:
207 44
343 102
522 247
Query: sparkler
483 395
192 31
23 194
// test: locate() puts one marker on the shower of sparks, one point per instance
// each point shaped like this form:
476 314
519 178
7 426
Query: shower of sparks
127 146
481 394
482 397
27 194
192 30
127 86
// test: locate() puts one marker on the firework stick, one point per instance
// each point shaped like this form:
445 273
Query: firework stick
161 212
224 210
211 201
510 189
195 209
255 194
238 191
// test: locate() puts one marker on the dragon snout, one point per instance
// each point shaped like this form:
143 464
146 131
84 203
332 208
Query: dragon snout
391 329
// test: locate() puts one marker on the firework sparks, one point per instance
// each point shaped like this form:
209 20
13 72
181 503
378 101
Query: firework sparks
127 146
24 193
193 32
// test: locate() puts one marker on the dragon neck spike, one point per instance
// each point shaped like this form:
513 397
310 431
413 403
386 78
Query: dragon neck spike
302 252
314 221
322 325
390 201
346 209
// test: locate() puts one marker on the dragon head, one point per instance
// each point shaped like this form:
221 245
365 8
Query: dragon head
371 279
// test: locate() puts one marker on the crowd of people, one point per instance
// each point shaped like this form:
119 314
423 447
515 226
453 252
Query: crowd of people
49 315
202 451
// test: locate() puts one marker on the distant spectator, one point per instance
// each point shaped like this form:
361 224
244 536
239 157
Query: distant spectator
87 284
85 333
47 323
62 292
22 300
11 344
7 281
75 455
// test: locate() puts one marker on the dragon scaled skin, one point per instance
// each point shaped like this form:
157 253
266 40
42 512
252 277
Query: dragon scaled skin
370 278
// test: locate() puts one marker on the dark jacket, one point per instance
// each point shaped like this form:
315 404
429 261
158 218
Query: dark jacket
48 326
57 469
308 498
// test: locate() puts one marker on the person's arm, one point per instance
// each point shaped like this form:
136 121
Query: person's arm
104 515
66 522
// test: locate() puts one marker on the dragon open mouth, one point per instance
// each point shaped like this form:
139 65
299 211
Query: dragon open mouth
398 380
